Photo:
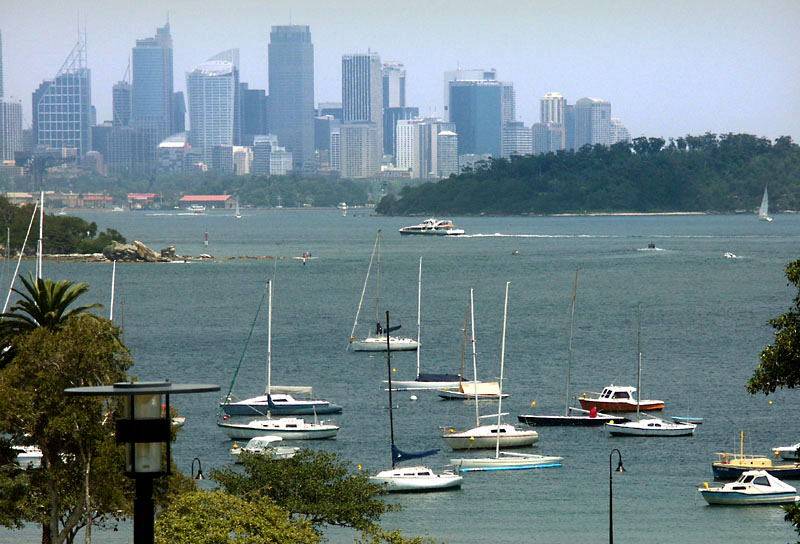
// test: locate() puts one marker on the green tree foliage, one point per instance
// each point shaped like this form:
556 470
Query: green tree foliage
203 517
780 362
43 303
315 486
697 173
81 463
63 234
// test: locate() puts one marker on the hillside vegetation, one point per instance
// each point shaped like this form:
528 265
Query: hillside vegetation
708 173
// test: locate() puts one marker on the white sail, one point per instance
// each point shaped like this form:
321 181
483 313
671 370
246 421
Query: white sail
763 210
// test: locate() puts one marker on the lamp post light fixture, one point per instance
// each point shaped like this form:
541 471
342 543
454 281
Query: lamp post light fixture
199 475
620 468
143 429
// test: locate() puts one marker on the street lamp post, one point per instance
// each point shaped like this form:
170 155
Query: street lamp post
143 429
620 468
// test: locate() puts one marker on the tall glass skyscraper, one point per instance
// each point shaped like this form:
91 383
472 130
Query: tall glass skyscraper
592 122
291 92
10 128
62 106
153 84
362 103
1 65
212 89
476 109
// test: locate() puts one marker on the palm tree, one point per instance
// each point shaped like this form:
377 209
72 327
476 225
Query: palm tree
45 304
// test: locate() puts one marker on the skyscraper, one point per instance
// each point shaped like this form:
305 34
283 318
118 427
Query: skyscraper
1 65
592 122
551 108
121 94
62 106
291 92
152 89
10 128
517 139
618 131
178 112
362 107
394 85
211 87
418 146
254 113
476 109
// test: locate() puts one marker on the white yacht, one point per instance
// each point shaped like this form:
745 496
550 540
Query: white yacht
433 226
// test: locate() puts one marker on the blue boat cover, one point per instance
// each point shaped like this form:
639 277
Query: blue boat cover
429 377
399 455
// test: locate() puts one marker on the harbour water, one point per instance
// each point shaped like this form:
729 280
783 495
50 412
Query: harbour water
703 326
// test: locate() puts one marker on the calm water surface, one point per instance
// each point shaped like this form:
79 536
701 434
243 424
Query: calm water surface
703 326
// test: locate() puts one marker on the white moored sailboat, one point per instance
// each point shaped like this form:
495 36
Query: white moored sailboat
505 460
377 341
487 436
763 210
424 380
418 478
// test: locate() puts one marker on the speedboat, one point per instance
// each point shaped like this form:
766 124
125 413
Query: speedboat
789 453
433 226
752 487
418 478
650 426
615 398
290 428
264 445
485 436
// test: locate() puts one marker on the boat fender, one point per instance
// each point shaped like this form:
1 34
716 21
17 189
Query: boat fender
235 446
725 458
611 422
776 452
705 484
452 430
472 439
584 394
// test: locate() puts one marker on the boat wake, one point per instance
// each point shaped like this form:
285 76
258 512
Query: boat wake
501 235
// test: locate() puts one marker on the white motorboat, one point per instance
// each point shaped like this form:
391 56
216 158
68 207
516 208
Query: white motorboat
485 436
617 398
504 460
752 487
28 457
197 209
377 340
650 426
789 453
288 428
418 478
268 445
433 227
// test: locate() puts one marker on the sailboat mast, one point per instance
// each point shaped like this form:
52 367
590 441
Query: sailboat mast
41 234
378 287
269 342
389 371
569 356
113 283
639 372
463 350
419 316
502 365
474 359
364 289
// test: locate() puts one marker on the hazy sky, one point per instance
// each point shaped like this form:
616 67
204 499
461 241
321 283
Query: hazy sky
668 68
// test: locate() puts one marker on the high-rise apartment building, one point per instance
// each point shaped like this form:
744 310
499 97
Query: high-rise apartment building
447 154
10 128
618 131
152 92
212 89
362 113
551 108
592 122
62 106
291 92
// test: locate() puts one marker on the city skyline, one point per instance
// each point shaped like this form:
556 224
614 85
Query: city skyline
667 74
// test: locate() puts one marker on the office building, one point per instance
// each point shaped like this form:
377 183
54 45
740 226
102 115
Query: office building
211 89
333 109
390 118
464 75
476 109
592 122
10 128
291 92
270 159
418 146
173 154
551 108
517 139
335 151
178 112
569 126
62 106
242 159
152 92
1 65
547 138
254 113
362 111
394 85
121 103
447 156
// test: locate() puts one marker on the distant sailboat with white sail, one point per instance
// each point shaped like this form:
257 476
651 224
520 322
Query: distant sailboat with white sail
763 210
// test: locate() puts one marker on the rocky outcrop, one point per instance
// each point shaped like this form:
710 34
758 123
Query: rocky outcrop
135 252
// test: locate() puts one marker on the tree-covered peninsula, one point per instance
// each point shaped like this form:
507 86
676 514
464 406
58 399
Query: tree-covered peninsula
709 173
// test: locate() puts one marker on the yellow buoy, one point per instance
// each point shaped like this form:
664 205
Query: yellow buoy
770 402
533 404
394 370
452 430
776 453
472 439
359 467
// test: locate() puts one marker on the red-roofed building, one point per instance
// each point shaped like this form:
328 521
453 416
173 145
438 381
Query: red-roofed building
143 201
96 200
209 201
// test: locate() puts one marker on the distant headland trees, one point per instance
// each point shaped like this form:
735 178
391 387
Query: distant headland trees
709 173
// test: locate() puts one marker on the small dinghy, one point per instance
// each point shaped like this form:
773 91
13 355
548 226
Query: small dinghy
752 487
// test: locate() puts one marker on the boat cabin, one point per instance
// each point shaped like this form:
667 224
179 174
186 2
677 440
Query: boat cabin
616 392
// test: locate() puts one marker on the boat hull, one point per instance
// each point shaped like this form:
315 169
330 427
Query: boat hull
405 482
414 385
261 408
788 453
727 471
713 496
243 431
620 406
379 344
633 429
567 421
464 441
458 395
506 462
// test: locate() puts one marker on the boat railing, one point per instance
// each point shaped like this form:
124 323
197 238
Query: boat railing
726 457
